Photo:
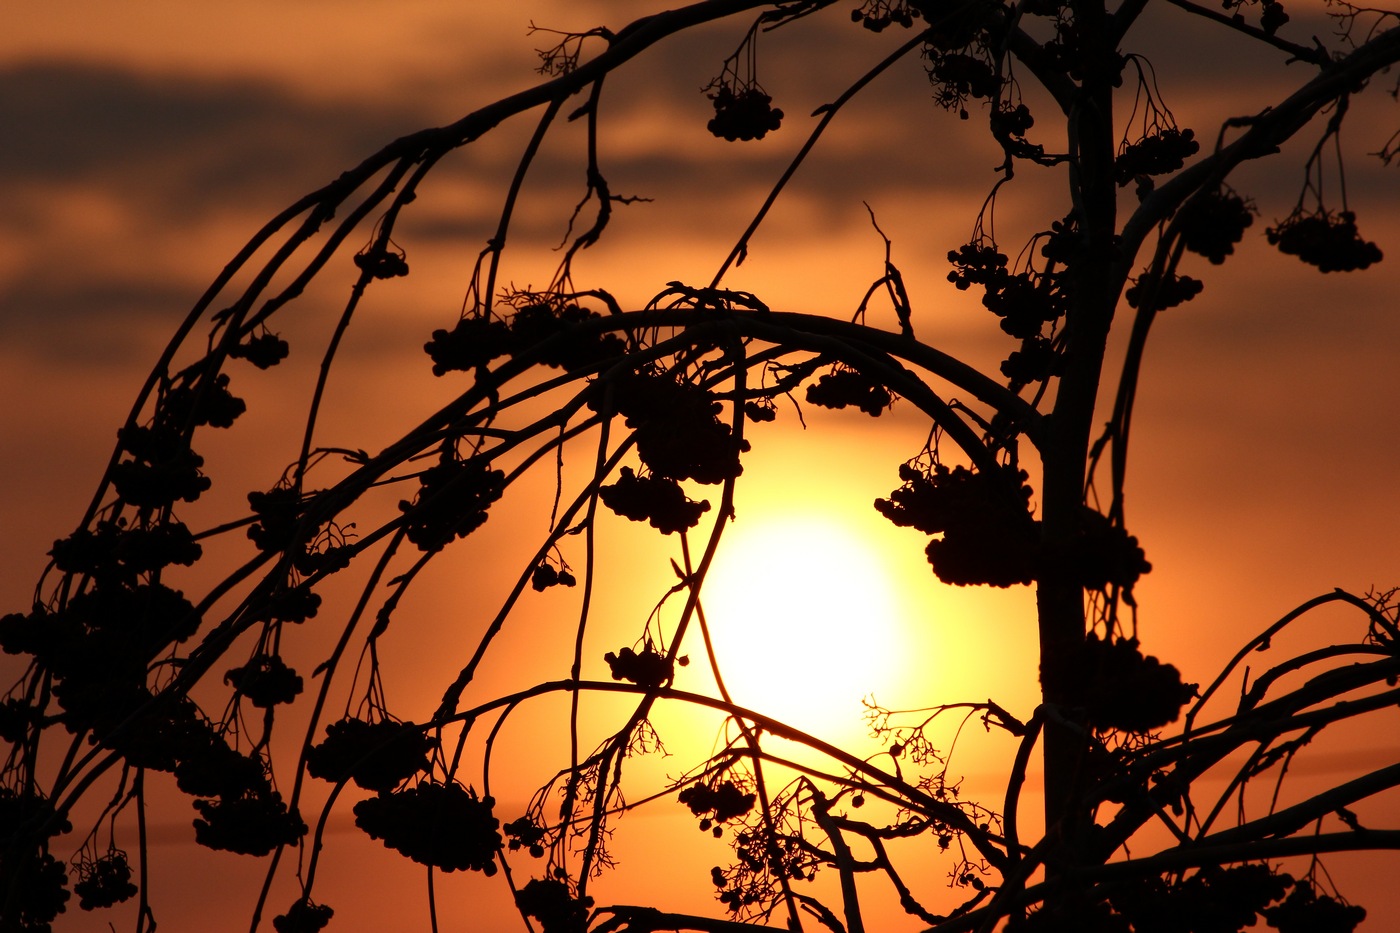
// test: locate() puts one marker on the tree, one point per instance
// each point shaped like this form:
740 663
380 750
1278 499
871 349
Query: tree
163 659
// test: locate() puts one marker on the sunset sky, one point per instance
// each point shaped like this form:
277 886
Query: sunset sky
144 142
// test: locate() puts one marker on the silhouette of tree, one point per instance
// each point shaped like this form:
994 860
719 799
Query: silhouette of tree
136 688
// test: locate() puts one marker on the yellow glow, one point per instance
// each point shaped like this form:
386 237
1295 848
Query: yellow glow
803 618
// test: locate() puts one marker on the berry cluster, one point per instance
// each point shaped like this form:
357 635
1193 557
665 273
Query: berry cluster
115 554
1213 223
989 536
1214 898
743 113
470 344
1323 239
36 885
203 403
378 756
263 350
162 468
535 324
1036 361
721 803
550 901
526 833
956 77
451 502
265 680
303 917
647 668
208 767
546 575
1305 911
657 500
1157 153
252 824
878 15
382 262
1009 125
679 434
761 411
1122 689
844 387
1024 301
441 825
104 881
1161 293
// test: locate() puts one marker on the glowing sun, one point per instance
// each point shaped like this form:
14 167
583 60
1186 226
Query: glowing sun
803 617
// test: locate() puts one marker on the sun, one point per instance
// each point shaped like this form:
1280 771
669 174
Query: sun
803 616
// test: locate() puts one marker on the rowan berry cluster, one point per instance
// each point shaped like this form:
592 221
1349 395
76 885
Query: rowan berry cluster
546 575
1306 911
1213 223
263 350
1024 301
1122 689
1157 153
265 680
718 803
879 15
104 881
526 833
1168 291
253 823
743 113
303 917
989 536
658 500
441 825
1324 239
550 901
679 434
645 668
378 756
114 553
382 261
1214 898
957 76
452 501
162 469
844 387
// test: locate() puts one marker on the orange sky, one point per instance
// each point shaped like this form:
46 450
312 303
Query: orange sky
146 141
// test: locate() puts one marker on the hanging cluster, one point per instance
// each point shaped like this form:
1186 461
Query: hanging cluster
645 668
546 575
105 881
1213 222
988 534
303 917
990 537
1160 152
658 500
1324 239
743 113
1122 689
382 260
541 323
844 387
960 66
452 501
444 826
1162 292
550 901
264 350
879 15
679 434
378 755
265 680
1025 301
715 803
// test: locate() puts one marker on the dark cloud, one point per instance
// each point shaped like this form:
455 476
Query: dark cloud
178 144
